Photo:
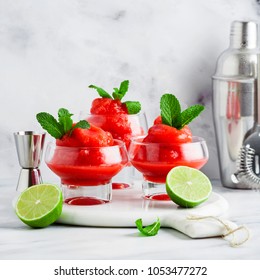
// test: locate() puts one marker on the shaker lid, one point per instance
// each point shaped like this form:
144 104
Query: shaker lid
244 34
239 60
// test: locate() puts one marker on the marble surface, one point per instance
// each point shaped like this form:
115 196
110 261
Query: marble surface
19 242
51 50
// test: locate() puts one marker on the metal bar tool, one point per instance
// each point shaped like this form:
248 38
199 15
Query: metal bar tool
235 103
249 157
29 146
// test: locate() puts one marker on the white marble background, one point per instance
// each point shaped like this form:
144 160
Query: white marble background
51 50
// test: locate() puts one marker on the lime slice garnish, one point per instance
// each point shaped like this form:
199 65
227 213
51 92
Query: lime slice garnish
40 205
188 187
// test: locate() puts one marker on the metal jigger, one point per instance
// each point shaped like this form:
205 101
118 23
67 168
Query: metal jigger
29 146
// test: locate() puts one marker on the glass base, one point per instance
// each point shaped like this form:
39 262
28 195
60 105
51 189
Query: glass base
124 179
87 195
154 191
120 186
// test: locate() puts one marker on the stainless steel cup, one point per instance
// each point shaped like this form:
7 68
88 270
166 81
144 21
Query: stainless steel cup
29 146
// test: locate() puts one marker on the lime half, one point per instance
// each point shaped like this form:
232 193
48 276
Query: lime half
40 205
188 187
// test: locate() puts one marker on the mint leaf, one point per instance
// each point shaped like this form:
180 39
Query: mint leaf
101 91
170 110
50 124
190 113
116 93
149 230
120 93
81 124
124 87
65 119
133 107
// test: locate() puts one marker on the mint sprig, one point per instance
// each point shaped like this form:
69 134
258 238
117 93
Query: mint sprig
149 230
133 107
120 93
50 124
171 111
64 124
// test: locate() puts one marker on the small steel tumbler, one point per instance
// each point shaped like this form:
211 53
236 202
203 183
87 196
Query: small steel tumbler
29 146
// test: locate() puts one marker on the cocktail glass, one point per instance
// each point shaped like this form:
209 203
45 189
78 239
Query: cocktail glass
86 172
122 127
155 160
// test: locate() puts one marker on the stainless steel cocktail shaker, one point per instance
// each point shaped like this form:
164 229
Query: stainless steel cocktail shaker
234 89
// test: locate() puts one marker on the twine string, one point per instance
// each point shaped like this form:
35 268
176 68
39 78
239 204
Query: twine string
230 231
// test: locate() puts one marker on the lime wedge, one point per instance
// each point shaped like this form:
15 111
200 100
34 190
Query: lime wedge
188 187
40 205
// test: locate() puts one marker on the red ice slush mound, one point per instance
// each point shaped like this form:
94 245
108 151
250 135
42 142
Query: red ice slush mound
92 137
105 106
162 133
115 119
